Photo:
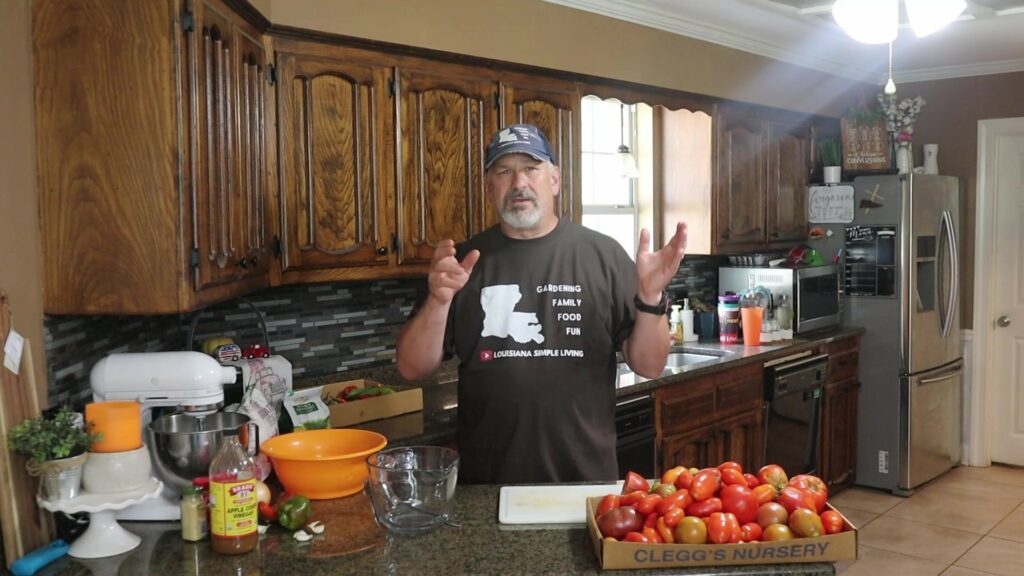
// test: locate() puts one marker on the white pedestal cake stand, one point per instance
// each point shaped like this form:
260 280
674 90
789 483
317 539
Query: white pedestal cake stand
104 536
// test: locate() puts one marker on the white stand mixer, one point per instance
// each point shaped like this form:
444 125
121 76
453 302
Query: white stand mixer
189 382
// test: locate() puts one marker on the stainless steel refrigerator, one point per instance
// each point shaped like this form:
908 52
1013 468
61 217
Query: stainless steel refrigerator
901 283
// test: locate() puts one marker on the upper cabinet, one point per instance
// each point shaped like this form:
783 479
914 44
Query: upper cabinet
151 155
335 163
738 177
445 117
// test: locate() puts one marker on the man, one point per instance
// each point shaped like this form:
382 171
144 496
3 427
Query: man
536 309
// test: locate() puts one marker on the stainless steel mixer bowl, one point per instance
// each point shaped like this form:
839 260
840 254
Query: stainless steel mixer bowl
182 445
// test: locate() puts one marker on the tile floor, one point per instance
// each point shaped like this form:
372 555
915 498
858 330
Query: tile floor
967 522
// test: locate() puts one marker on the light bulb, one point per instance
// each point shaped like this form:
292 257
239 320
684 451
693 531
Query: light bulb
927 16
868 21
890 87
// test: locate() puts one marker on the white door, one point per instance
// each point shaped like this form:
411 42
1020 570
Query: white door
1004 175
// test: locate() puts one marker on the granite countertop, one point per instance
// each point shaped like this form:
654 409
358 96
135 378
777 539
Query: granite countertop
354 544
435 425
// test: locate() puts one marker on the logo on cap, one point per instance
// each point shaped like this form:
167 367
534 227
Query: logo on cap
519 139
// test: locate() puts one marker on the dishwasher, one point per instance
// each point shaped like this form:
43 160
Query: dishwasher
793 390
636 445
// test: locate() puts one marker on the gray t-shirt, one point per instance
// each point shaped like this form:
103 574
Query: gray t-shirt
536 329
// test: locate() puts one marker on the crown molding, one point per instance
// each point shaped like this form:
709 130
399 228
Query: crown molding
676 24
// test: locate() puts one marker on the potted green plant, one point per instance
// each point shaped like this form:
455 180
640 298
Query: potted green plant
56 447
831 152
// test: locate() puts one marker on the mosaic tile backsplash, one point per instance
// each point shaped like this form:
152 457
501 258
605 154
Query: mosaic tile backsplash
321 329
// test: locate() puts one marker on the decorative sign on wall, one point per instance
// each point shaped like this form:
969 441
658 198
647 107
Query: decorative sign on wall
866 146
830 204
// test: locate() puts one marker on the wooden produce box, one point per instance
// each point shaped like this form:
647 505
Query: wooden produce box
372 408
618 555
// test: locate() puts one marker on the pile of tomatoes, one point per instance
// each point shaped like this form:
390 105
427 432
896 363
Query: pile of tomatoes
718 505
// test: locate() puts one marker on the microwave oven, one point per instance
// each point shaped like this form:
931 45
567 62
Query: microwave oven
813 291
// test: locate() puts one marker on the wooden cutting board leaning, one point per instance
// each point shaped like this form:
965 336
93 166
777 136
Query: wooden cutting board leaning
25 527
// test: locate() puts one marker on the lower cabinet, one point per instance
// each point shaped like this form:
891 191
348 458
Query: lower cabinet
712 419
838 455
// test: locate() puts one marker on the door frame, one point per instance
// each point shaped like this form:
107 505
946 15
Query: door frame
980 431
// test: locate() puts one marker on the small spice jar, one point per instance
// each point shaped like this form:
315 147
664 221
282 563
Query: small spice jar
194 525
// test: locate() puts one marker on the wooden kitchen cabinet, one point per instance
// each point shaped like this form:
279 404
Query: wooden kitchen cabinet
789 170
149 135
554 107
446 116
336 163
838 455
740 202
712 419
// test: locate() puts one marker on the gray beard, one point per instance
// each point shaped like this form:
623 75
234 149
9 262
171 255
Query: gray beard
520 219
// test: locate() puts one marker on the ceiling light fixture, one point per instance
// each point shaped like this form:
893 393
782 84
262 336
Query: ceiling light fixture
890 86
627 163
877 21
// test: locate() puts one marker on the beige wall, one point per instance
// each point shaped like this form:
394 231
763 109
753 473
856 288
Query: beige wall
20 257
950 118
552 36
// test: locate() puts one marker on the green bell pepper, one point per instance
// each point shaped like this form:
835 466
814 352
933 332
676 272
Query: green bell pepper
294 512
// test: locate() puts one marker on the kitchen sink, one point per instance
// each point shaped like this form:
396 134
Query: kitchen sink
677 362
679 359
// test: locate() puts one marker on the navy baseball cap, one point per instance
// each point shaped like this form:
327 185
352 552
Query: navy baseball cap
519 139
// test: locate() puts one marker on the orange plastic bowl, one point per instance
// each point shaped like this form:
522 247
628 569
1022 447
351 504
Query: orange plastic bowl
323 464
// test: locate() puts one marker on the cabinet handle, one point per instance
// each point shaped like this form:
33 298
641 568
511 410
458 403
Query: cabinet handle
243 263
775 234
725 235
383 250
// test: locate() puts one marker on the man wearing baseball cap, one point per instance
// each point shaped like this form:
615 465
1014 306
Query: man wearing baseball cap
536 309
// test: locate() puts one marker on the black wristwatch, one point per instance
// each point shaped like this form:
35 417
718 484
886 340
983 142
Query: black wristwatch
659 309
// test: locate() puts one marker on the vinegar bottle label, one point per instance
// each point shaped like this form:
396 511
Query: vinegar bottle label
233 508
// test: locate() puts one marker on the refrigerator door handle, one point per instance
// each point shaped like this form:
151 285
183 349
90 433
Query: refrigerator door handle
945 376
954 272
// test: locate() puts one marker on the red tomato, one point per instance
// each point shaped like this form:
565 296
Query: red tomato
741 501
647 505
772 513
670 475
705 485
704 508
665 531
715 471
723 528
651 521
793 498
773 474
635 482
638 537
832 521
813 486
618 521
680 499
673 516
730 465
751 532
765 493
610 501
752 481
632 498
684 480
732 476
652 536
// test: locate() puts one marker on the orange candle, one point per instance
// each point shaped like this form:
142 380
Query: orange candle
120 423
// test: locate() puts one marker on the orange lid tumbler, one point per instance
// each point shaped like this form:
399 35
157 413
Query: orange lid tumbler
120 423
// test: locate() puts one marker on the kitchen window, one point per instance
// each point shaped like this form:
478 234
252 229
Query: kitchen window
614 204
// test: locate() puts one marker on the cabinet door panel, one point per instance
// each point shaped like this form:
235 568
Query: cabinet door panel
444 126
556 111
252 241
694 449
839 434
789 166
740 200
331 116
741 438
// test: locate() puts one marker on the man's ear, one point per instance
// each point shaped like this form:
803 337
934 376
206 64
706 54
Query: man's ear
556 179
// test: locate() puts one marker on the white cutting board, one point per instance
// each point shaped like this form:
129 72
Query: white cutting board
564 504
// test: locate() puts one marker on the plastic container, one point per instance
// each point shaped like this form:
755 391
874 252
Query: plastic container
752 317
729 319
233 504
120 423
